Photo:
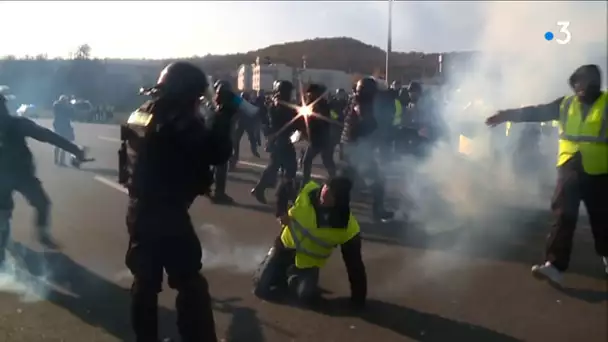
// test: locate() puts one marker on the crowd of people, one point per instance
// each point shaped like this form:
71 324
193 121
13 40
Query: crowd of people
170 154
401 120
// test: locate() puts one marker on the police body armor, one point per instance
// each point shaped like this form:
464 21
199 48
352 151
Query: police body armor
132 134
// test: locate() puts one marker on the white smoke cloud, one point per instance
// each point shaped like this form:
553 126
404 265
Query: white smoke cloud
517 66
219 251
15 278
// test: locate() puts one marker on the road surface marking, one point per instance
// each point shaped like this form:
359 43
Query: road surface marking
112 184
101 137
256 165
260 166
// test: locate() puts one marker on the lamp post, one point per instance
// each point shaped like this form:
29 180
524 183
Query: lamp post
389 43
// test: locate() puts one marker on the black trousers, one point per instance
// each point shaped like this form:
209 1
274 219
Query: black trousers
220 178
282 156
242 128
162 238
327 156
31 188
277 276
574 186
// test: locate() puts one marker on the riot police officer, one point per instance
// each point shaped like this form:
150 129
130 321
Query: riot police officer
279 129
319 139
219 195
17 172
166 155
358 144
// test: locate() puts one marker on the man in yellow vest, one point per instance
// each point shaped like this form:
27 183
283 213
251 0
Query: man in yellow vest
582 166
319 220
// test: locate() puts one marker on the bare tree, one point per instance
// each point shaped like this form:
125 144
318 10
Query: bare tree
83 52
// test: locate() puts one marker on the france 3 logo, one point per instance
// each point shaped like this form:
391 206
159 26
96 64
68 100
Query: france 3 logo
564 35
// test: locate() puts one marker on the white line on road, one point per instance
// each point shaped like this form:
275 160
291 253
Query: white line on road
101 137
112 184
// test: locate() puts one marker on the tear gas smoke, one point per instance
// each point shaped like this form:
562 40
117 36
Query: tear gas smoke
14 278
219 251
514 66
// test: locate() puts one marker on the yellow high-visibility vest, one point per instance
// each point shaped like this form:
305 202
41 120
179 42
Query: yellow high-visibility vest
398 113
508 128
313 244
588 136
334 115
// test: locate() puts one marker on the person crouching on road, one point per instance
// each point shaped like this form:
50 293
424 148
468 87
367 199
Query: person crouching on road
319 220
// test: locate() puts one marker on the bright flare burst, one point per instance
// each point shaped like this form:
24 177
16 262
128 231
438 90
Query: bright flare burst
305 111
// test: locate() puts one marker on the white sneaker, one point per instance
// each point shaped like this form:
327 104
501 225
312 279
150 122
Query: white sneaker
605 260
547 272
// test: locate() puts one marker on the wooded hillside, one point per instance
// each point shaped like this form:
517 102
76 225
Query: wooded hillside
40 80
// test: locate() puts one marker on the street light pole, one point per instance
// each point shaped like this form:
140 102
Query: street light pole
389 43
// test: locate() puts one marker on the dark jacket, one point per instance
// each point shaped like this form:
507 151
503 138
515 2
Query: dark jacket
359 122
16 159
62 119
319 128
278 118
173 161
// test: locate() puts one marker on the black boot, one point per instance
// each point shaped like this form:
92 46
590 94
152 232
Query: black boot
258 193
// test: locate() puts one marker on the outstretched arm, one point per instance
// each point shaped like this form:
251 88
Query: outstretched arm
539 113
31 129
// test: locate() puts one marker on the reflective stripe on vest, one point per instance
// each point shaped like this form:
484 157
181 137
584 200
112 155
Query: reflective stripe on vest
139 118
313 244
294 228
586 135
601 137
334 115
398 113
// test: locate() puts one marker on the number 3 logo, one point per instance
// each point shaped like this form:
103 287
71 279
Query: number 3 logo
564 29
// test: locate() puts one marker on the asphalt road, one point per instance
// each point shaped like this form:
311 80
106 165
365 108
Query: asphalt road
463 284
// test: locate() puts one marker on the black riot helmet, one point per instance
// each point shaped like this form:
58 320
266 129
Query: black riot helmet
365 89
282 90
182 81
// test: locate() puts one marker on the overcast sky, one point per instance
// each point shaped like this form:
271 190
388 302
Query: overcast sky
162 29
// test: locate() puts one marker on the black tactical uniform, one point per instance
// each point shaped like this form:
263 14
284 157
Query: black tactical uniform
358 146
165 164
279 129
219 195
17 172
320 130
